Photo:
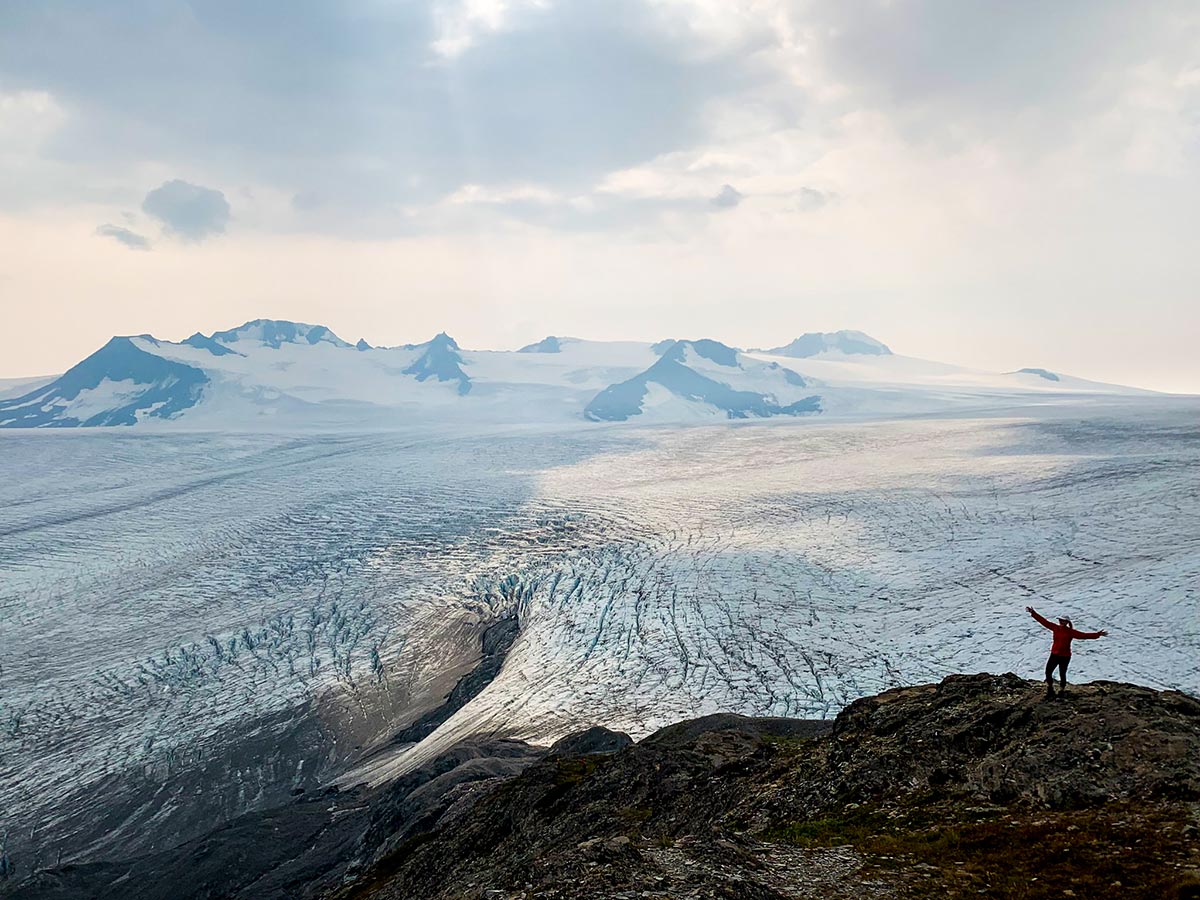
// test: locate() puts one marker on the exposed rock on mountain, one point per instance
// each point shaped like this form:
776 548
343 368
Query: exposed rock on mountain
1041 373
701 378
971 787
200 342
287 375
119 384
442 361
847 342
549 344
275 332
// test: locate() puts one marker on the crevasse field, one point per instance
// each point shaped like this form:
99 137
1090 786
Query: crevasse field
192 625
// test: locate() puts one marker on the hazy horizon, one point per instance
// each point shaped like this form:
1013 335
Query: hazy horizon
992 187
678 333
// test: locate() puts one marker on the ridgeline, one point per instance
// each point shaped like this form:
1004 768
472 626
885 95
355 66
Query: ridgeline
974 787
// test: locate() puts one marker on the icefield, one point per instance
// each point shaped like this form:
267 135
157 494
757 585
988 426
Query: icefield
193 624
291 375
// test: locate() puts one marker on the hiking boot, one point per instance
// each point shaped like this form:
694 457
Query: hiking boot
1049 692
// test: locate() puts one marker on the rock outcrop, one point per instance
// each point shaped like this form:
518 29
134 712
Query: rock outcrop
974 787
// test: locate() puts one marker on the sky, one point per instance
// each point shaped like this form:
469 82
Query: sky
996 185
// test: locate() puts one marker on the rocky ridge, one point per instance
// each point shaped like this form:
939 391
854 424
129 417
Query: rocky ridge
974 787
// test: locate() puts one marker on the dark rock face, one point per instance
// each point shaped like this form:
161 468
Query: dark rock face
684 733
592 740
750 808
992 735
971 787
303 849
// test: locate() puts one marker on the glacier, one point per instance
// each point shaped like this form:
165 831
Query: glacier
196 624
292 549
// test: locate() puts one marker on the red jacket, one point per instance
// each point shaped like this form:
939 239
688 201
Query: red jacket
1063 635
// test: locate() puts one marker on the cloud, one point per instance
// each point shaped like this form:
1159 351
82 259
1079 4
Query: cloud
188 210
809 199
635 210
375 108
363 116
727 198
1022 72
130 239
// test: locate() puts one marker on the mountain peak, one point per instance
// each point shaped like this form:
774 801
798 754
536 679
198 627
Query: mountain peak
277 332
88 392
200 342
814 343
681 376
713 351
440 360
549 344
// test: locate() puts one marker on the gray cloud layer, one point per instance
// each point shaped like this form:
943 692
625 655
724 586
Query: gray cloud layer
727 198
348 108
187 210
130 239
350 105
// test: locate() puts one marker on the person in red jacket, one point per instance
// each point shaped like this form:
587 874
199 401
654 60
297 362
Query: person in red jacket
1060 650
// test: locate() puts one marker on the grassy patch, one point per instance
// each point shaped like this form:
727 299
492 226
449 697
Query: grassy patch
575 769
635 814
787 746
827 832
1115 851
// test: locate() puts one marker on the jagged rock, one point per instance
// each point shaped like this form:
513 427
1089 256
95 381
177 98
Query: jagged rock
591 740
715 806
965 788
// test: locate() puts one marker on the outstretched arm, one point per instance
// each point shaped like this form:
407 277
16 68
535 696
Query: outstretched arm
1088 635
1033 612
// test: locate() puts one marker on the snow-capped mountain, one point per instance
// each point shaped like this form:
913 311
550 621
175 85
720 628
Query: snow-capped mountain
300 375
273 333
701 379
549 344
119 384
815 343
439 359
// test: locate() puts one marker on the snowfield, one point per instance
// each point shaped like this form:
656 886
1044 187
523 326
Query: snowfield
290 375
196 624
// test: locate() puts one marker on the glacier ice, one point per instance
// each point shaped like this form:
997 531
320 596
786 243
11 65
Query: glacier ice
195 624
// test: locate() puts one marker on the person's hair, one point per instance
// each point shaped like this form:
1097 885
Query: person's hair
1066 619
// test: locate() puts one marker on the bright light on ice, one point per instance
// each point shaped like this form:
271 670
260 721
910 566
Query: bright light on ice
224 617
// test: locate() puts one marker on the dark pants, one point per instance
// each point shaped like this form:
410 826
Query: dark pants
1059 662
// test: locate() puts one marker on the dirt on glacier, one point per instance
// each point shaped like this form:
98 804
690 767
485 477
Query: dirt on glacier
973 787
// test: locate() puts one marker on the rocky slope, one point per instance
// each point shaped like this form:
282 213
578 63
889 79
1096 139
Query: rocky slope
974 787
